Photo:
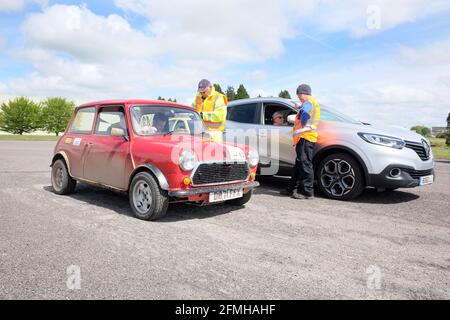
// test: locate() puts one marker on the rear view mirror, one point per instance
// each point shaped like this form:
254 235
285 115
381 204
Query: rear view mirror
291 118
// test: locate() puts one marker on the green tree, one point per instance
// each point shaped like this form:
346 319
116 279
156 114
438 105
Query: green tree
20 115
170 100
426 132
55 114
284 94
242 92
161 98
218 88
231 94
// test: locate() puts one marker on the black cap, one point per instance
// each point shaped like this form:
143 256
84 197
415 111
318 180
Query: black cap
304 88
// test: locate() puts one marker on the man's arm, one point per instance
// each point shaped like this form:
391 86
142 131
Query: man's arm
304 113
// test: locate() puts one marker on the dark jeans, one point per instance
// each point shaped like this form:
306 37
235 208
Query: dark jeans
303 172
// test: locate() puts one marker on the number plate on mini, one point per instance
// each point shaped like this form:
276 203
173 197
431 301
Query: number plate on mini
426 180
225 195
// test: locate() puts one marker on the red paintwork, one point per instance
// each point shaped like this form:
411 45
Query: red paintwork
111 161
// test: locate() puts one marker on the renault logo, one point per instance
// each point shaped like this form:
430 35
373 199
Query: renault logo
427 148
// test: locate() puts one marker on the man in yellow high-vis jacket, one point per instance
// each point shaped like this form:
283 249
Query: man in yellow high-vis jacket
212 106
304 136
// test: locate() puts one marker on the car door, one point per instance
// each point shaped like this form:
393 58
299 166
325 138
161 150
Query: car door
280 148
244 124
77 139
106 156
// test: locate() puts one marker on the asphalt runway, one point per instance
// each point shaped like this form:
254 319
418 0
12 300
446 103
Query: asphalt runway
88 245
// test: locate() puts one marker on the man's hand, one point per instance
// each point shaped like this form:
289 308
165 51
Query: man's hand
297 106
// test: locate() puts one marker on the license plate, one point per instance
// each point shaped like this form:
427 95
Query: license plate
426 180
225 195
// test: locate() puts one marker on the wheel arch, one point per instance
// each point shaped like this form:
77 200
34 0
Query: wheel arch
61 155
324 152
154 171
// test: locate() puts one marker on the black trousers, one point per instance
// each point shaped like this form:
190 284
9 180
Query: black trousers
302 177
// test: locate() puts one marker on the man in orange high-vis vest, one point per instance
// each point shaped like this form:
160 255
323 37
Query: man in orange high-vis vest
212 106
304 136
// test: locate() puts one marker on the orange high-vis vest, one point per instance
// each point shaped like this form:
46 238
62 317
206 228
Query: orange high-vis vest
308 132
213 108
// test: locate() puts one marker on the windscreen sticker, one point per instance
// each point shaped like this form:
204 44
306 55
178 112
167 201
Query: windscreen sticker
68 141
77 141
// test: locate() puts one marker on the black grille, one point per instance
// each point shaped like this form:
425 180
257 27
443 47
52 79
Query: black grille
419 149
416 174
212 173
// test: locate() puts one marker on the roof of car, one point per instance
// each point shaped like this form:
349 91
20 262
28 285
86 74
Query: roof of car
133 101
261 99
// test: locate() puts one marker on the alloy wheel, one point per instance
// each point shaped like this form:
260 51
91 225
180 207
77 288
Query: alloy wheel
142 197
337 177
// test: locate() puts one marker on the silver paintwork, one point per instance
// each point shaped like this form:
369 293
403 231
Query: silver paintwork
334 133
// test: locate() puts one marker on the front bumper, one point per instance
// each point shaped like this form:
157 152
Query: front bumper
409 177
207 190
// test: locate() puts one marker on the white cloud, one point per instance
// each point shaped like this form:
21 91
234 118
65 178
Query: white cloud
86 56
12 5
258 75
86 36
18 5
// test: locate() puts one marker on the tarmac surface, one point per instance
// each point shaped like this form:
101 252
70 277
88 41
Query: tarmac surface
89 246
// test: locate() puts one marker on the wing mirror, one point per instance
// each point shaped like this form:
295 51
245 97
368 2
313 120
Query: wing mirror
119 132
291 118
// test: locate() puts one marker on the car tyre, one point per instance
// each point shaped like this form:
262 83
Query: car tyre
340 177
147 200
62 182
241 201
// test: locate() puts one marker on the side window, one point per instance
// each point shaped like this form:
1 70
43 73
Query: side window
245 113
326 115
83 121
277 110
109 118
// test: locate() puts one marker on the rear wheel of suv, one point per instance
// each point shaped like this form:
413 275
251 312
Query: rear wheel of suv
241 201
147 200
340 177
62 182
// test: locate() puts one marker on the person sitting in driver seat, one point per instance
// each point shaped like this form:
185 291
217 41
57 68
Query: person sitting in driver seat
278 119
159 125
160 122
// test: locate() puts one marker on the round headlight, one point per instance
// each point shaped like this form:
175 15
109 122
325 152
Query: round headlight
188 160
253 158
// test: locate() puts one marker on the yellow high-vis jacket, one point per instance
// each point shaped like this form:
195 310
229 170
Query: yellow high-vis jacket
213 108
308 131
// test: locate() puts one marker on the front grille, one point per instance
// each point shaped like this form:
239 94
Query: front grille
216 173
419 149
416 174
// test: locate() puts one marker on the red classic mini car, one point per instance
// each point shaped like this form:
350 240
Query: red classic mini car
156 151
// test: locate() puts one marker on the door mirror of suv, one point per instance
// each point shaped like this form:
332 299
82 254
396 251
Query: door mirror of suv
291 118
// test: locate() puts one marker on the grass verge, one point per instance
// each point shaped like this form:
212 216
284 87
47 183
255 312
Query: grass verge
17 137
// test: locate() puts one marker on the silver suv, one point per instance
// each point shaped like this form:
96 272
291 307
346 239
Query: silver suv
349 156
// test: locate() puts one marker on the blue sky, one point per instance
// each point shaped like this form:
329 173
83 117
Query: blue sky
379 61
